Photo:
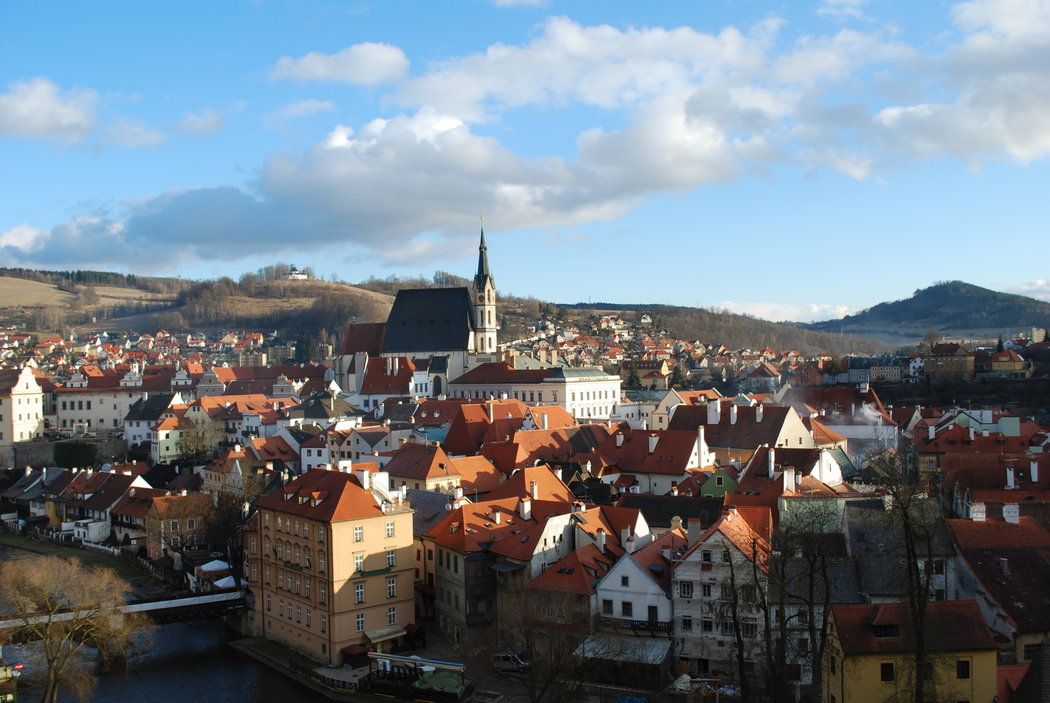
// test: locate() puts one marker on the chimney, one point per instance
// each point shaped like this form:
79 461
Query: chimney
29 469
525 508
1010 484
674 490
732 413
534 490
971 434
625 534
676 522
492 412
771 460
759 412
394 366
1011 513
388 365
496 517
931 433
694 530
852 408
714 412
978 512
629 545
544 421
619 439
364 478
1033 471
458 493
599 539
557 472
653 439
1004 566
789 480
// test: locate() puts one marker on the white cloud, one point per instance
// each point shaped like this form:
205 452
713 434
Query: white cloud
1039 288
297 110
998 84
202 123
39 109
21 237
778 312
843 9
133 133
362 64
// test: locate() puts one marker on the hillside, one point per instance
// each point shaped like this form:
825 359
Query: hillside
954 308
731 329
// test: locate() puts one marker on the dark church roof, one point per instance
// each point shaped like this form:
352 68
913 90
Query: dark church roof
429 320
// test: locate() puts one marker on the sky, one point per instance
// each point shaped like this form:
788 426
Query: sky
791 160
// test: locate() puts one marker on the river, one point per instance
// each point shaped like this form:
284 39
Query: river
188 662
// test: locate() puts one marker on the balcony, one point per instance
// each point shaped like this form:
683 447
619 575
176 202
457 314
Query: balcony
635 626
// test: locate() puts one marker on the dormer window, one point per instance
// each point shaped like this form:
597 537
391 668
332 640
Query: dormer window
887 631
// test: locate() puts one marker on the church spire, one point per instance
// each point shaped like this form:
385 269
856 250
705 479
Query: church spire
483 263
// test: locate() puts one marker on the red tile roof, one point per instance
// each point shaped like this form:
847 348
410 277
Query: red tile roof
950 626
325 496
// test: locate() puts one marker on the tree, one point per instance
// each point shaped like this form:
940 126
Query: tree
999 346
35 592
930 339
633 382
197 439
914 515
678 379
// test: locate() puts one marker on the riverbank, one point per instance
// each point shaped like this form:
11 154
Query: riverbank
289 663
27 547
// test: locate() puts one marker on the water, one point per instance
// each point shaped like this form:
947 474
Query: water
189 662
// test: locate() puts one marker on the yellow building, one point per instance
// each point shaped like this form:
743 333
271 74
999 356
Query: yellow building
330 564
869 654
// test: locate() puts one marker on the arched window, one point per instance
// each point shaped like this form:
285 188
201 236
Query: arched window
297 554
280 550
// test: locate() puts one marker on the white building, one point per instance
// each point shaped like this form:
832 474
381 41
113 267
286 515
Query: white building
21 409
586 393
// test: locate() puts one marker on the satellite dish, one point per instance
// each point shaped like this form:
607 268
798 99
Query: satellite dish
448 507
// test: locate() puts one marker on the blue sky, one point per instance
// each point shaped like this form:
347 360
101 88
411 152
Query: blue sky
792 160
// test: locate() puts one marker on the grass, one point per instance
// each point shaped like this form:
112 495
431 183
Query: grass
15 292
24 548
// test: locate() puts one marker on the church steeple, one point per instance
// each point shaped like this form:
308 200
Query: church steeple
483 264
486 324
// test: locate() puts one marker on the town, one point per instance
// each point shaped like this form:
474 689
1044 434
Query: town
595 508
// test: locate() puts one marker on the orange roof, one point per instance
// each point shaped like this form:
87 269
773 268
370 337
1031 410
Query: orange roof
325 496
996 534
548 486
477 474
414 460
577 572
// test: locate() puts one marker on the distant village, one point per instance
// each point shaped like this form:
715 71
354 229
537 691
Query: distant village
631 511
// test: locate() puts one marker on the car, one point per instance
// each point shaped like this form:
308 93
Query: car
510 661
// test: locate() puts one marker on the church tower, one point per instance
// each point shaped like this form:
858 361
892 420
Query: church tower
485 324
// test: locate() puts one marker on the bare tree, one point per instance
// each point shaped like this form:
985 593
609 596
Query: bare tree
915 515
197 439
66 606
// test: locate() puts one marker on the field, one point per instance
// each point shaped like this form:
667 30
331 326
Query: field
19 292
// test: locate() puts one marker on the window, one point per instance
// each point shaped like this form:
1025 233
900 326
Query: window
298 613
280 579
705 590
391 615
320 534
359 534
321 558
687 623
962 669
886 671
309 617
685 589
280 607
887 631
266 519
359 620
1030 651
607 607
720 480
627 609
307 589
390 529
747 593
707 625
269 601
280 550
938 567
391 559
359 593
727 627
391 588
174 526
625 581
322 593
324 622
749 629
725 556
705 556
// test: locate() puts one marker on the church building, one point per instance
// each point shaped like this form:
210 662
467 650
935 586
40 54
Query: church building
444 332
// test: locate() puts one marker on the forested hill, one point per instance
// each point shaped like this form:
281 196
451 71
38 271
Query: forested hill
949 307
